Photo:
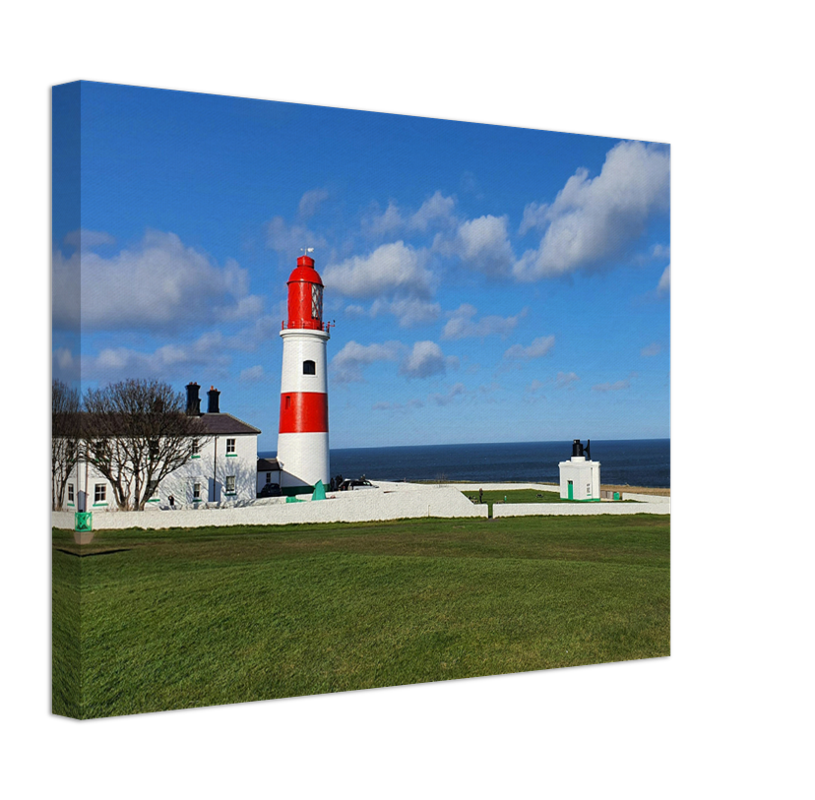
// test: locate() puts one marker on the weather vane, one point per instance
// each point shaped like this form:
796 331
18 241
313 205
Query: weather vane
307 250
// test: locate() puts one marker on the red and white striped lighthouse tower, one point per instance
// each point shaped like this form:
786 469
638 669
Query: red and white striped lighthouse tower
302 443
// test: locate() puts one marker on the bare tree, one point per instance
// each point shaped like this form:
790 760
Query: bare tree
65 438
137 433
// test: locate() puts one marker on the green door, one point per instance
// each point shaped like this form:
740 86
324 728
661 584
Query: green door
571 491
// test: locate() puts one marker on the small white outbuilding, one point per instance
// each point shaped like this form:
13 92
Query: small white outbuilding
580 476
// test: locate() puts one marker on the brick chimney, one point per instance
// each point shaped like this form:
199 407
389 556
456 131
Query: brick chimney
193 400
213 394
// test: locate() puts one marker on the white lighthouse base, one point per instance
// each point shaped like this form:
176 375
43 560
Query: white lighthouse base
579 479
303 459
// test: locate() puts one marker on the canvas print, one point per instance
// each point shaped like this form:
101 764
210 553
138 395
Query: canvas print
345 400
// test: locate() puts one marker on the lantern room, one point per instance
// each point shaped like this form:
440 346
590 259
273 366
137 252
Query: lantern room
305 296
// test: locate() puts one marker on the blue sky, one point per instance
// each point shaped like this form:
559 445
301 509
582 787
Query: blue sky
488 283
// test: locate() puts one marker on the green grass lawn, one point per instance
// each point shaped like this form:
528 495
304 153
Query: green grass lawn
178 619
493 496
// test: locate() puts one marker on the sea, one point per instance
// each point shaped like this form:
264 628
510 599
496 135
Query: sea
636 462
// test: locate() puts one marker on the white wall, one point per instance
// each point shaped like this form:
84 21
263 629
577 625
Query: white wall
85 475
585 476
206 468
360 506
645 498
576 509
389 501
212 469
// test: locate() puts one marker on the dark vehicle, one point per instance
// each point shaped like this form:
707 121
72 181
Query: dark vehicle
352 484
270 490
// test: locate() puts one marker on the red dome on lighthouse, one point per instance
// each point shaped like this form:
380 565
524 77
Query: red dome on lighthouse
304 271
305 296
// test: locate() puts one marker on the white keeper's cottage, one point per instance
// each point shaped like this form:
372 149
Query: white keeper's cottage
223 471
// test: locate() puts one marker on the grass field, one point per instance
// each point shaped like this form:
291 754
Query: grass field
179 619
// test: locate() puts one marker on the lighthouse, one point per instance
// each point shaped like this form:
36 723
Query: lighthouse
302 443
580 476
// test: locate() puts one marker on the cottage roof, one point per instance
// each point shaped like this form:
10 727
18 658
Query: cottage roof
219 424
83 424
268 465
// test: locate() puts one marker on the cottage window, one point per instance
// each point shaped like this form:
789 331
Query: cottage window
99 493
268 477
70 493
196 492
195 448
230 484
230 446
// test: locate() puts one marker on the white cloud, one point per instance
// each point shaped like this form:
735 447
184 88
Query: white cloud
661 251
535 216
389 406
348 364
396 276
65 291
483 245
264 329
252 374
611 387
410 311
310 202
426 359
564 380
173 362
158 285
437 210
394 268
288 240
593 219
535 386
86 240
652 349
533 392
377 224
64 358
64 365
462 324
456 390
539 348
664 285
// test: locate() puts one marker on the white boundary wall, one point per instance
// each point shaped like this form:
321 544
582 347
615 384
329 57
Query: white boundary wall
646 498
577 509
389 501
407 502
